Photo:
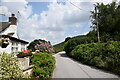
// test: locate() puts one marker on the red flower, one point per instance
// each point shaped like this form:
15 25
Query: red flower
26 51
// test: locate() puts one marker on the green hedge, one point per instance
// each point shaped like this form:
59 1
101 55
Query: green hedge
44 65
102 55
72 43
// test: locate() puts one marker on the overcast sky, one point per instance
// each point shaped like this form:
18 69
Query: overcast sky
51 20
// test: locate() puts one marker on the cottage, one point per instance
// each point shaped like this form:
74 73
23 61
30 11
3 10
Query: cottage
8 30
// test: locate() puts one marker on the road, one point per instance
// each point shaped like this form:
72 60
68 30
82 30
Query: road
69 68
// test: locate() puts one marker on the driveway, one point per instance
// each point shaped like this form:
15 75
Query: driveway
69 68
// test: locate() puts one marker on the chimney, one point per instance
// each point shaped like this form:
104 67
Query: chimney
12 19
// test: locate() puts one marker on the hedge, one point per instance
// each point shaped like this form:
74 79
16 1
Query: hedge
44 65
102 55
72 43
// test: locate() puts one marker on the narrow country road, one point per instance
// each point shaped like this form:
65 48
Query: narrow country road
68 68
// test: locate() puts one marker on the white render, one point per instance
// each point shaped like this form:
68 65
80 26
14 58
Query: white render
8 49
11 29
14 45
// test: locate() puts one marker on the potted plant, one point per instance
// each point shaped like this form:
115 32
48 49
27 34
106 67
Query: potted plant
4 42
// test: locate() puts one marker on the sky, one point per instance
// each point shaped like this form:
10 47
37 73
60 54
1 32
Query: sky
51 20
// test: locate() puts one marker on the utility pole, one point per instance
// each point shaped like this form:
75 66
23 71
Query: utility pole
98 34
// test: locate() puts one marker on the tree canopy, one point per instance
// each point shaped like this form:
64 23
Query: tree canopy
108 17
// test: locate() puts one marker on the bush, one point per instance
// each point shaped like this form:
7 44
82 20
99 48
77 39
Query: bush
9 67
44 65
41 45
72 43
102 55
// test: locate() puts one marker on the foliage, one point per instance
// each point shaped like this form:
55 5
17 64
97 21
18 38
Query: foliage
108 20
24 53
41 45
33 43
68 38
102 55
9 67
44 65
72 43
93 36
59 47
4 40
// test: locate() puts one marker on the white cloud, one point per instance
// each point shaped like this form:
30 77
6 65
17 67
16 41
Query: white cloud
49 25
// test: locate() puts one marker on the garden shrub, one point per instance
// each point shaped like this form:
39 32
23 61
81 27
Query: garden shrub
9 67
44 65
102 55
41 45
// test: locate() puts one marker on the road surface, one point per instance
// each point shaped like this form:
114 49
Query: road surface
69 68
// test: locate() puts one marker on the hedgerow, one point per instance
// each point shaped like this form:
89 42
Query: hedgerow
102 55
72 43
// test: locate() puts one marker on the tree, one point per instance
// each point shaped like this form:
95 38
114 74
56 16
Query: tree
41 45
68 38
108 20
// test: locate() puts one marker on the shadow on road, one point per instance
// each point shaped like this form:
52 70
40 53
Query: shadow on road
63 55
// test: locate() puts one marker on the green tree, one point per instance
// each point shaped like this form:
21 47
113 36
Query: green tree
108 20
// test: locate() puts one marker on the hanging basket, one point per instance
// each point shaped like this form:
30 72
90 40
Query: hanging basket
3 45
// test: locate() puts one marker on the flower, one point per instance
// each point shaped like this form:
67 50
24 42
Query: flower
44 47
26 51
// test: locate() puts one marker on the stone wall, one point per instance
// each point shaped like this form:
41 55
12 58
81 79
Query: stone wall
24 64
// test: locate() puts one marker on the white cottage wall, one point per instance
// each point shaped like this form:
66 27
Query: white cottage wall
7 49
12 47
11 29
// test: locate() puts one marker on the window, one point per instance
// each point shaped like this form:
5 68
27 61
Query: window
22 46
14 46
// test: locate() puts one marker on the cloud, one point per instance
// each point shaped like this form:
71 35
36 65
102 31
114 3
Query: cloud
52 24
